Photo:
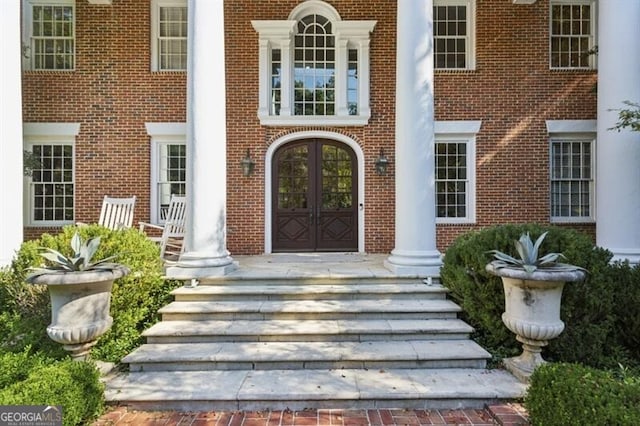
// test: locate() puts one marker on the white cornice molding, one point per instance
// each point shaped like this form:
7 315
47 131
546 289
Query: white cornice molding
461 127
571 126
166 129
51 129
104 2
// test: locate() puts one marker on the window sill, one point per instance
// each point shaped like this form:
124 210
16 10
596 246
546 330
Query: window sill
52 224
573 220
354 120
453 221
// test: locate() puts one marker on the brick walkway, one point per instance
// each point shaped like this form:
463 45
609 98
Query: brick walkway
506 415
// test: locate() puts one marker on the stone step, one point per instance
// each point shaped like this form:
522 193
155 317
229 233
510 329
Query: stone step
287 291
300 278
307 355
310 330
382 308
254 390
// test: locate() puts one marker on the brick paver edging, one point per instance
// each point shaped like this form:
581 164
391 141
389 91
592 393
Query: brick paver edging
505 415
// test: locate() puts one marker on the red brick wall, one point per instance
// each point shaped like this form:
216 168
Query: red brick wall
513 92
112 94
245 218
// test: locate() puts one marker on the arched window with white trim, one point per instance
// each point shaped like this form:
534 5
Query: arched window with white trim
314 68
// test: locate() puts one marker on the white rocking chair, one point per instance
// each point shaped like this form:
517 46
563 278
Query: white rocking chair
172 238
116 213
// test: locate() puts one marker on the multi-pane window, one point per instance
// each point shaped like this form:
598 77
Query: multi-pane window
50 35
572 183
276 81
314 67
169 35
452 179
172 175
293 178
352 82
572 34
453 34
52 183
455 171
337 178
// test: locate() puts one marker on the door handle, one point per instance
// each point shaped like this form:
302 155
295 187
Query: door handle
311 211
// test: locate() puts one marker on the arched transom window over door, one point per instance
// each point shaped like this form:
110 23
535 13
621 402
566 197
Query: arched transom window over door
315 197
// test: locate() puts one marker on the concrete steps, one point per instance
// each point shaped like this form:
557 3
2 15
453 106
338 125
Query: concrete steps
377 308
358 330
254 390
307 355
310 342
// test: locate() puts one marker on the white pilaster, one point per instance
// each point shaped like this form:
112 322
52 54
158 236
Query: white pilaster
10 132
205 243
618 153
415 252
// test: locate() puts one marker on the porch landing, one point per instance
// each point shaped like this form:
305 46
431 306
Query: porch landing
299 331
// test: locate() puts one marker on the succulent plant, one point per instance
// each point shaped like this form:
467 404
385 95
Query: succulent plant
81 260
529 260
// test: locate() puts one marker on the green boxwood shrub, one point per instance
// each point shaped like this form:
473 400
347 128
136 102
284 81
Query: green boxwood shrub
571 394
588 307
135 299
74 385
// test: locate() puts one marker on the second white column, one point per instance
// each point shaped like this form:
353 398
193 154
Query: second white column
415 251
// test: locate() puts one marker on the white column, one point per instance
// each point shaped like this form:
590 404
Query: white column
11 180
205 244
415 252
618 153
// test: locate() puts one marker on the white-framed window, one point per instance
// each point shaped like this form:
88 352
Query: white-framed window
572 34
168 35
168 166
572 170
454 34
49 189
455 171
314 68
49 33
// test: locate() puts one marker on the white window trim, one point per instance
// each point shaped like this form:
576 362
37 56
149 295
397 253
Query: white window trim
471 32
155 24
593 59
461 131
49 134
161 133
280 35
578 130
27 32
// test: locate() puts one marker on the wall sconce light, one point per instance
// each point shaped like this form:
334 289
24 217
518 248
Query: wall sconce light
247 164
381 163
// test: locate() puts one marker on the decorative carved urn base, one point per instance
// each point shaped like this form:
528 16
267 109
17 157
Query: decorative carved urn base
532 312
80 304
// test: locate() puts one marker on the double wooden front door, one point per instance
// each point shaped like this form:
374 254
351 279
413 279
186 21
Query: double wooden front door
315 198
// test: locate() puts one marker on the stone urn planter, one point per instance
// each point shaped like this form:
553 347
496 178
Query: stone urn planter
533 293
532 312
80 303
80 293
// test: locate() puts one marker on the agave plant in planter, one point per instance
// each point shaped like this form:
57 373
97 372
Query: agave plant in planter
533 291
80 292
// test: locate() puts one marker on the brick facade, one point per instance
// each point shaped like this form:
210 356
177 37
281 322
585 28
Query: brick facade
113 93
